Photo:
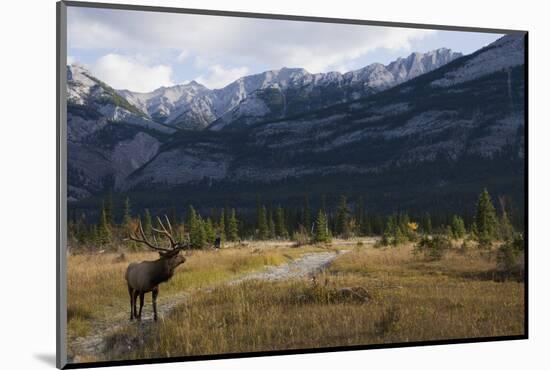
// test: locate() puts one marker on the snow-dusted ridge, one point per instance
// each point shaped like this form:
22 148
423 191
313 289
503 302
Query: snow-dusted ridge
194 106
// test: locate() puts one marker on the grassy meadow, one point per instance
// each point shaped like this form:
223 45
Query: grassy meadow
97 292
369 295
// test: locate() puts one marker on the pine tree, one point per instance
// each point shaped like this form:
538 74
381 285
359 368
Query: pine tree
306 215
198 233
195 225
485 219
103 229
108 208
506 229
191 217
270 225
127 215
221 226
320 231
367 225
209 231
227 217
81 230
360 217
342 218
458 230
263 230
280 227
233 234
147 222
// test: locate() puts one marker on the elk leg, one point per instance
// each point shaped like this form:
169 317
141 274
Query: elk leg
155 294
131 292
141 297
135 295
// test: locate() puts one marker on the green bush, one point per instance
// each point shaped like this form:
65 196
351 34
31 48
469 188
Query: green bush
433 248
510 254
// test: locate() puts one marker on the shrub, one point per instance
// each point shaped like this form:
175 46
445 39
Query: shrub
433 248
300 237
510 254
458 229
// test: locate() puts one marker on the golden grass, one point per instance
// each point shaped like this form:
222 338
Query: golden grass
411 299
97 289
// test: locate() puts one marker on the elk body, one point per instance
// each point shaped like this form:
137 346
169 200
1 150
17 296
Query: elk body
144 277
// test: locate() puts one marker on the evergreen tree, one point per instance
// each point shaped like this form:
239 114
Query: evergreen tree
92 235
393 233
108 208
506 230
320 232
485 219
306 215
367 225
233 234
103 229
209 231
342 218
195 225
82 232
127 215
262 223
270 224
280 227
191 218
458 230
221 226
360 217
227 217
378 225
147 222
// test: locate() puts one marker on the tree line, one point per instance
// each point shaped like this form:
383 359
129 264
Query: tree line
344 220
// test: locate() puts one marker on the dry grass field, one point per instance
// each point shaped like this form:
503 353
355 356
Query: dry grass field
97 292
367 296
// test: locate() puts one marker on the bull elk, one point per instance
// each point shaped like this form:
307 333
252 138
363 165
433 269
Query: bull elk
144 277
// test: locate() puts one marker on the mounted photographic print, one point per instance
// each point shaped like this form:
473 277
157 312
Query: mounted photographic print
237 184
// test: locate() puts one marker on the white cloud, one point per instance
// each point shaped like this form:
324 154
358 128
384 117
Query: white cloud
70 60
218 76
182 56
318 47
122 72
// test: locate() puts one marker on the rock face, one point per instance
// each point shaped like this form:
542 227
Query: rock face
108 138
426 124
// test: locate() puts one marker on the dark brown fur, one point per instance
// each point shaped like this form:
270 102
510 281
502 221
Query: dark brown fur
144 277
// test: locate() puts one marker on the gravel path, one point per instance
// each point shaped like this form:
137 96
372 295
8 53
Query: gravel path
94 343
302 267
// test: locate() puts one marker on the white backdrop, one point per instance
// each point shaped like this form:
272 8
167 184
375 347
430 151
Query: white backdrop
27 209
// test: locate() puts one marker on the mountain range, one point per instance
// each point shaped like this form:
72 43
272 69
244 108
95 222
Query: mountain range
438 124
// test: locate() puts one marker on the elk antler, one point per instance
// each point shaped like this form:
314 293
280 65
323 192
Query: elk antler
143 239
165 232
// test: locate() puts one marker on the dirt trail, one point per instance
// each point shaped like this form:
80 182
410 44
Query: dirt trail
94 343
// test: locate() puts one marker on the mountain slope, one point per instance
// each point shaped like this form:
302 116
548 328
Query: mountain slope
426 134
108 137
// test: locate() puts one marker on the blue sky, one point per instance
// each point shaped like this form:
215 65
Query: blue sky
141 51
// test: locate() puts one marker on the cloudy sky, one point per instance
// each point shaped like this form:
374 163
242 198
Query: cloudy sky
142 51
